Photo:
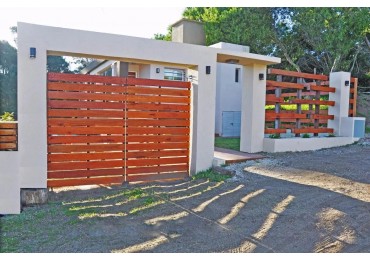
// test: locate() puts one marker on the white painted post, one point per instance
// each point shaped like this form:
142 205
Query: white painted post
253 109
341 98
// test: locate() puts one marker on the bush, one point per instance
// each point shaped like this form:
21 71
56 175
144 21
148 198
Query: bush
7 116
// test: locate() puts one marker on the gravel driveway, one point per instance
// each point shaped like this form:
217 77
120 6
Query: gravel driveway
290 202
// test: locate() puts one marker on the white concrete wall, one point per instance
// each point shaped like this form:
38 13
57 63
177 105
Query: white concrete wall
304 144
341 98
9 182
229 92
253 109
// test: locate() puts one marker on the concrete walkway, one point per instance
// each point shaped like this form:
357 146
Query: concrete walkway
227 156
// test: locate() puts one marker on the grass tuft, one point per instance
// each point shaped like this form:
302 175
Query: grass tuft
210 175
228 143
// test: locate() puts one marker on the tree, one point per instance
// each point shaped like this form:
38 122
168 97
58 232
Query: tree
8 78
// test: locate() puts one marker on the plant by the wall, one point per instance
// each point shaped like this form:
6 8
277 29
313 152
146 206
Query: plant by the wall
331 135
306 136
7 116
275 136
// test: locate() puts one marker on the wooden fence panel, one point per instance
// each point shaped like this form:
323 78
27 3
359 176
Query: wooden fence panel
8 136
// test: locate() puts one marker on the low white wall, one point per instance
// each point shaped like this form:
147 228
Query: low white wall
9 183
304 144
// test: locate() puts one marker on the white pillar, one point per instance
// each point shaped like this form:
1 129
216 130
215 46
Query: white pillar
341 98
253 109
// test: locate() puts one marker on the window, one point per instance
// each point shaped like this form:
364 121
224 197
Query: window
174 74
237 73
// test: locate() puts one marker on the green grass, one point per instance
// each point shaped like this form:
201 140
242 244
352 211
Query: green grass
210 175
228 143
367 130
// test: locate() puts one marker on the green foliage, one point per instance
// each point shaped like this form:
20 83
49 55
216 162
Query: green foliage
367 130
331 135
293 107
210 175
7 116
306 135
228 143
274 136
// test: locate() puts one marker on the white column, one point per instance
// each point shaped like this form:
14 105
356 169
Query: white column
32 110
341 98
9 183
253 109
203 117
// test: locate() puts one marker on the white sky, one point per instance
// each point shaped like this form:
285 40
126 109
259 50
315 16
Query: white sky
128 17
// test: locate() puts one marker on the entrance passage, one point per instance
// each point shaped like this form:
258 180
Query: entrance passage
110 130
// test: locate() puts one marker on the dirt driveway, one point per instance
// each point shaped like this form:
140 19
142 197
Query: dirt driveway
291 202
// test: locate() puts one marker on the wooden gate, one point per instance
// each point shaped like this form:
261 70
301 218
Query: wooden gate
110 130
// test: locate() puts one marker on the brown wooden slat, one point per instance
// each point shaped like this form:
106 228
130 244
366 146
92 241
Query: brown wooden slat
274 131
326 117
56 86
8 132
84 173
154 146
158 91
163 99
152 169
85 148
7 139
60 166
285 115
86 113
159 107
159 115
159 161
272 98
351 91
312 130
272 83
297 74
8 125
85 181
85 122
85 78
8 146
323 89
164 122
156 82
156 138
131 131
150 154
70 130
85 104
312 102
85 139
63 157
157 177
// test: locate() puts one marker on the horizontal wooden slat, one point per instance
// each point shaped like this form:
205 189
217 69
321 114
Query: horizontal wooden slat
158 91
85 122
85 139
284 115
131 131
326 117
156 82
312 130
70 130
312 102
8 125
297 74
150 154
152 169
63 157
273 98
159 115
157 177
86 113
158 161
85 78
163 122
85 104
85 181
7 139
85 165
154 146
272 83
8 132
85 148
8 146
156 138
163 99
323 89
159 107
274 131
57 86
84 173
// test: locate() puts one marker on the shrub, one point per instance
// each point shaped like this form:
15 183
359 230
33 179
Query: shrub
7 116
